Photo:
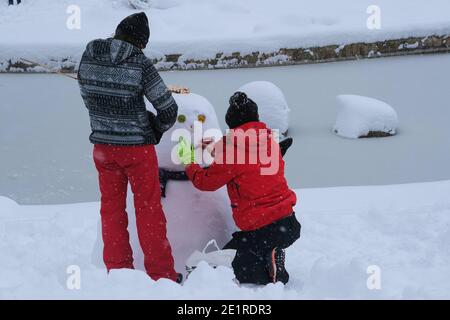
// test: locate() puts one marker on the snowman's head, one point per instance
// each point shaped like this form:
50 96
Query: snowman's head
194 109
196 120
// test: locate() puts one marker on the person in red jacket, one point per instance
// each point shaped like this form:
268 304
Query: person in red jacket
249 162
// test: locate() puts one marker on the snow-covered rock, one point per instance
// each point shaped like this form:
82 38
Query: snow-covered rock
359 116
272 106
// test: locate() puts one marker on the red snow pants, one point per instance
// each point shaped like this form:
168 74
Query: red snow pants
116 166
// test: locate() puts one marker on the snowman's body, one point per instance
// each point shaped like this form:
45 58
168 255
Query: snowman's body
193 217
272 106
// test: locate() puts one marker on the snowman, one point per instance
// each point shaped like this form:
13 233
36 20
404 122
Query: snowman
194 217
272 106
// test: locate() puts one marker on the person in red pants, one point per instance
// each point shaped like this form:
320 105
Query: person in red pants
118 165
114 76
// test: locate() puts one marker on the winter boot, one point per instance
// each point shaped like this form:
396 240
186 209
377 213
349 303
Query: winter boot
275 266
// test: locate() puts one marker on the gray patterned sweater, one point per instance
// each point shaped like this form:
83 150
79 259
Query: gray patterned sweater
114 76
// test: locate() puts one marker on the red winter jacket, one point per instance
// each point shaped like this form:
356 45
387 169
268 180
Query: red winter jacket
257 199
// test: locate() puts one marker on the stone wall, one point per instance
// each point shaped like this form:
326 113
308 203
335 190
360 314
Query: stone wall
284 56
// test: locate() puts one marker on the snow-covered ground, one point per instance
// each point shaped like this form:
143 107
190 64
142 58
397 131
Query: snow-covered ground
200 29
46 156
401 231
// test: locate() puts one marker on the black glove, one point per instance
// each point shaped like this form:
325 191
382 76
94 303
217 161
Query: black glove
163 181
177 175
152 119
165 176
285 145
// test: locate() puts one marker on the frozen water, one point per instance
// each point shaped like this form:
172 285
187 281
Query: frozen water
44 127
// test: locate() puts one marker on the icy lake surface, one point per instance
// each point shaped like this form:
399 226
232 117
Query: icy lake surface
45 156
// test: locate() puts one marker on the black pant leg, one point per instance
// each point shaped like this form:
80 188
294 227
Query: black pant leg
249 264
250 267
253 248
233 243
280 234
284 232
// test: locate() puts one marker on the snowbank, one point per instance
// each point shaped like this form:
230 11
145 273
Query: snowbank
403 230
186 31
359 116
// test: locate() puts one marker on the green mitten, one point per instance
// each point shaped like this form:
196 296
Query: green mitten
186 152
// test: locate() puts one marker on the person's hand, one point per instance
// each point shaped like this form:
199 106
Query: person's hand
186 152
178 89
208 144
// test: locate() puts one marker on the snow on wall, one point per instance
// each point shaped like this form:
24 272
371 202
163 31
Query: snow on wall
188 34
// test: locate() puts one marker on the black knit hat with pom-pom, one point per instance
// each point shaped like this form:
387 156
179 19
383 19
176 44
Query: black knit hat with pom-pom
242 109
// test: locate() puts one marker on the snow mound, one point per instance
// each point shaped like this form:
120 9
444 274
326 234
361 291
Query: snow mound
359 116
272 106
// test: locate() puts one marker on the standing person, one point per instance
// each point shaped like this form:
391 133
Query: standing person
114 76
262 204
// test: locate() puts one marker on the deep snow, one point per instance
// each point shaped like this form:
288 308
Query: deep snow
200 29
46 156
404 230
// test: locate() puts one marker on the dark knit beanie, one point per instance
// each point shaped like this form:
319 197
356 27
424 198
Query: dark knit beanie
134 29
241 110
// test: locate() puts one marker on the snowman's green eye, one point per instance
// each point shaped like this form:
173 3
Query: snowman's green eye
181 118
